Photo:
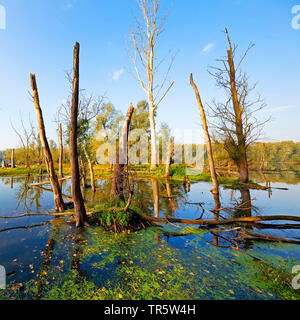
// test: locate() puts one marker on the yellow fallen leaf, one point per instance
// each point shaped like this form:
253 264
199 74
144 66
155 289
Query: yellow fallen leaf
120 296
231 291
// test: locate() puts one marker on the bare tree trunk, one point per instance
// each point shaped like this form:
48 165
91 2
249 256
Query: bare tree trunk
241 162
167 173
61 152
12 158
121 158
80 212
153 139
59 203
216 212
213 173
264 158
91 169
144 41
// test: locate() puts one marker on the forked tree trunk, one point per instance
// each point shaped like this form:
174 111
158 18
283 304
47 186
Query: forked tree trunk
59 203
61 152
80 212
91 169
121 158
12 160
212 168
241 162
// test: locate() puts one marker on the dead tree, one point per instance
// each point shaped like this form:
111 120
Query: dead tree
144 42
212 168
80 212
264 161
121 158
12 160
236 123
167 173
61 152
59 203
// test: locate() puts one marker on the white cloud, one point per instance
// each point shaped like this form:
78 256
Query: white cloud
117 74
282 108
68 5
208 48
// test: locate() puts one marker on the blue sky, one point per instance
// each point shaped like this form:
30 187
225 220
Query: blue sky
40 35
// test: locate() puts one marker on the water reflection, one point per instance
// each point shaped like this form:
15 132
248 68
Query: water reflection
244 207
155 197
96 256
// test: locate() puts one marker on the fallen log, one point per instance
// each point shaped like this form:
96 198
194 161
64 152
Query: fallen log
43 214
38 214
225 221
260 237
274 226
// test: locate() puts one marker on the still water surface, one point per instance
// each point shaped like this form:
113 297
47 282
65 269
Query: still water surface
55 261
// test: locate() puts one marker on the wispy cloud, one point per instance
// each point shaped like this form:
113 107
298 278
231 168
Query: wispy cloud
208 48
117 74
68 5
282 108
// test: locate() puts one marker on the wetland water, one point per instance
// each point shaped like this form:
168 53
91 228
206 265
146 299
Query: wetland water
53 260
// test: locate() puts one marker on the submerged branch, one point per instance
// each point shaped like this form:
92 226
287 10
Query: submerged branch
225 221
